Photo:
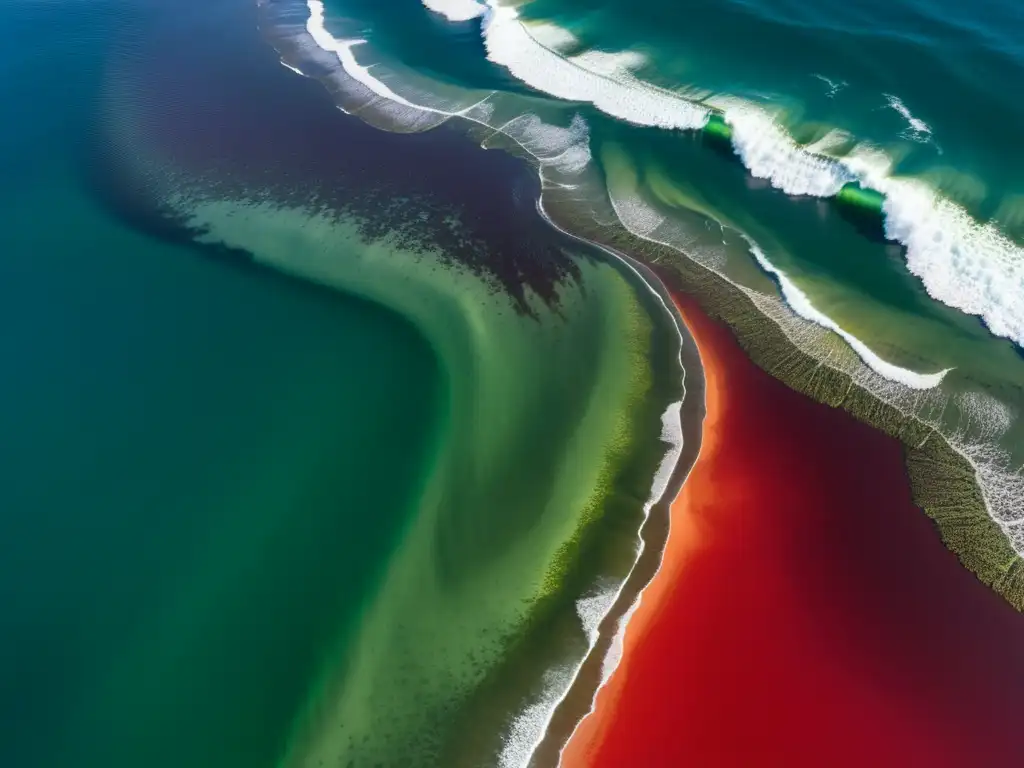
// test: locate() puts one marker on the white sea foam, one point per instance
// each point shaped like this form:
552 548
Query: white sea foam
564 149
1001 483
965 265
342 48
456 10
919 129
528 727
643 220
605 80
834 86
365 90
553 37
802 305
592 609
769 152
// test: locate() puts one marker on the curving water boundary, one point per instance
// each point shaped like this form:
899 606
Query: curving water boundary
956 479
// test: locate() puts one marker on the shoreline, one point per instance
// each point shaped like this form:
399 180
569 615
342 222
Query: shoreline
965 492
432 140
584 738
546 267
591 676
946 482
683 673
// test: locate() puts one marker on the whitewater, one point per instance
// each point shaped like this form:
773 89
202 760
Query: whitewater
967 265
928 224
962 263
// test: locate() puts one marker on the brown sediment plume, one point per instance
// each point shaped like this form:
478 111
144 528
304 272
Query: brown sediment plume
805 614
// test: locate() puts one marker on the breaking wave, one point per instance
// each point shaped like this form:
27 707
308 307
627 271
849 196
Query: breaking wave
967 265
606 81
942 240
964 264
803 306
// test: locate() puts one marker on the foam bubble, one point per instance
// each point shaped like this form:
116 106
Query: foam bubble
456 10
802 305
769 152
603 79
982 417
919 130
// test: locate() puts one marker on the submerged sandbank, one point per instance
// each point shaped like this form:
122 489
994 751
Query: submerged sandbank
805 612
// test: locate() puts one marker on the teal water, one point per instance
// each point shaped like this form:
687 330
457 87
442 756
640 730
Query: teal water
322 446
932 82
920 303
310 459
203 465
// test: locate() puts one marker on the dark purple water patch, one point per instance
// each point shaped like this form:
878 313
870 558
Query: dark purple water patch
208 102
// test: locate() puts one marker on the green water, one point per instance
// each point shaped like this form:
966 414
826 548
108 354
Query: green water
202 467
326 497
916 101
544 414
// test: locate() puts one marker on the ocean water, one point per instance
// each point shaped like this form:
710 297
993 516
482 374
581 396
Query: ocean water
729 136
199 481
920 304
323 445
308 456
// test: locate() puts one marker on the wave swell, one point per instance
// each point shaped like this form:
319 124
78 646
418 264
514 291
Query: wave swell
962 263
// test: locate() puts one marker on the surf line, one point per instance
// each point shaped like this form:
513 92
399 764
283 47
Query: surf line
343 50
685 459
523 738
738 123
945 247
796 299
313 4
801 305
